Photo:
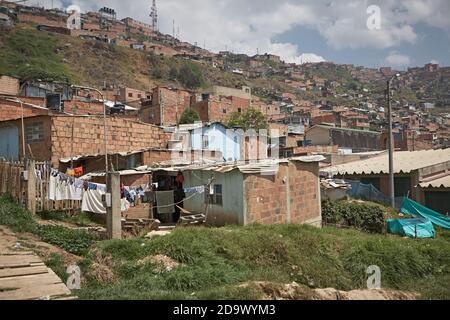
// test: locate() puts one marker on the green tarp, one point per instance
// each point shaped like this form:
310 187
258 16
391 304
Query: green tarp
417 210
413 228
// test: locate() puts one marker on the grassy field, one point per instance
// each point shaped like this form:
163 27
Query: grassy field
214 263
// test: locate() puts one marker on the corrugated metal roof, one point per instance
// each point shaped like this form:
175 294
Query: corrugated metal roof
438 183
404 162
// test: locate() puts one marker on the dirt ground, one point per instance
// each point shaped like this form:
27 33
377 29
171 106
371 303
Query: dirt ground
10 241
295 291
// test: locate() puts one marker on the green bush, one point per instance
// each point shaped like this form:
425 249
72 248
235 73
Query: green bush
21 220
366 217
189 116
76 242
15 217
191 76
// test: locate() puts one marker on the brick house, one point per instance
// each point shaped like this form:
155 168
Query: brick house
50 138
259 192
219 108
127 95
167 106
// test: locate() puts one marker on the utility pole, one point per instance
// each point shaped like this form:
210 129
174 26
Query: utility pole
391 144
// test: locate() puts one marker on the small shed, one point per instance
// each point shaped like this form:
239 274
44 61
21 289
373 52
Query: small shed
267 192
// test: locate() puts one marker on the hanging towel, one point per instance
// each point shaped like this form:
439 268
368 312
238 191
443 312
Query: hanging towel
75 193
52 188
92 202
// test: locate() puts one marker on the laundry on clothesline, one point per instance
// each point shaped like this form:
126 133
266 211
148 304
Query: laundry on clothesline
193 190
62 187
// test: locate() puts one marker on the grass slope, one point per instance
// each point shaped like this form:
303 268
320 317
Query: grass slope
216 261
28 54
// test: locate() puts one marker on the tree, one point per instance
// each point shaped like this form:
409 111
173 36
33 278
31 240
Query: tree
251 119
189 116
173 73
190 76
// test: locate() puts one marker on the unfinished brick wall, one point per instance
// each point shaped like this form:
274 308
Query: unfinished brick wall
12 111
136 180
151 157
81 107
123 135
38 150
129 94
219 108
267 196
202 108
9 86
304 192
172 102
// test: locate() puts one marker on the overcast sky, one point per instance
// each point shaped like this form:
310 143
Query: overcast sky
411 32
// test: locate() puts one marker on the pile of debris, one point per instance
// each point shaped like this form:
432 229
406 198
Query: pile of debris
334 189
136 227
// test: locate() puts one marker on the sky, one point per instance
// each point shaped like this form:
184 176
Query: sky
375 33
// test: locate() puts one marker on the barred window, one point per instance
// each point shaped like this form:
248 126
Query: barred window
35 132
216 198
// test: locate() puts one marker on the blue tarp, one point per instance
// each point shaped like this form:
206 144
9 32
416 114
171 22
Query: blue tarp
417 210
413 228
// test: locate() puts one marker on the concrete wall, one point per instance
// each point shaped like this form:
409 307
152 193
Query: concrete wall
233 205
318 136
244 92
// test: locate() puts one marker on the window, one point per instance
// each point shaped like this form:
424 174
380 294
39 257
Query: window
130 95
205 142
224 111
216 197
35 132
239 110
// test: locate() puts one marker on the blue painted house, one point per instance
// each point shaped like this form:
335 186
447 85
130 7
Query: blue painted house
217 137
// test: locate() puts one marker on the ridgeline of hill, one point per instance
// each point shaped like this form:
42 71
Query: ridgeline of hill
27 53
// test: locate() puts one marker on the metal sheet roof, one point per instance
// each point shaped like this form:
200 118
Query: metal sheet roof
443 182
404 162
